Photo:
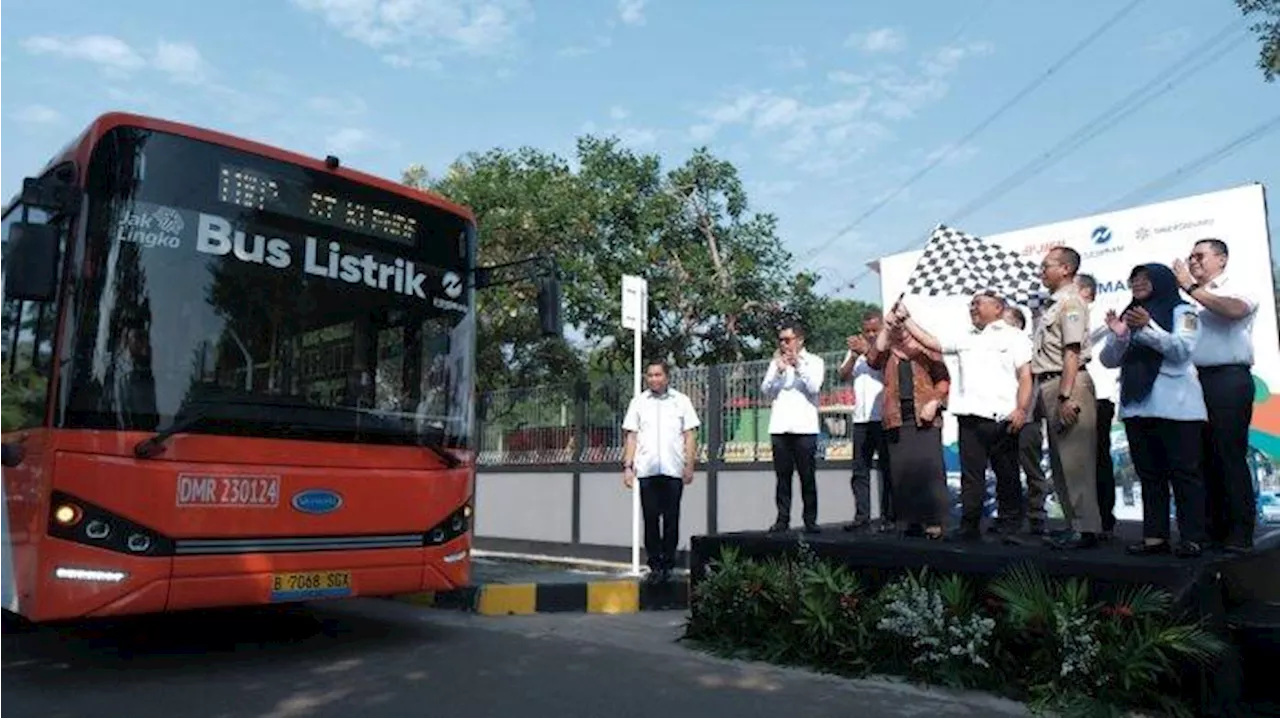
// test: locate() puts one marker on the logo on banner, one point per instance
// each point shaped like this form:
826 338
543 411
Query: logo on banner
1144 233
1101 235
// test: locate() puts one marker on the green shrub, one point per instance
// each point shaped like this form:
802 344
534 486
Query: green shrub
1023 636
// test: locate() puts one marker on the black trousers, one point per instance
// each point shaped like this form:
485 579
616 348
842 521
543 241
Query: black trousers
660 503
796 453
983 443
1231 504
1031 458
870 441
1165 453
1106 479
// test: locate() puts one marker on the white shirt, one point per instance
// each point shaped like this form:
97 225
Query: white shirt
1222 340
1106 381
986 382
659 422
868 385
1176 393
794 393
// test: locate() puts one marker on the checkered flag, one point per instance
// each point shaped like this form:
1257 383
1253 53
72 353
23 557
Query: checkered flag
959 264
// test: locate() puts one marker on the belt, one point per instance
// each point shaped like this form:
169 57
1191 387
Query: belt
1222 367
1049 375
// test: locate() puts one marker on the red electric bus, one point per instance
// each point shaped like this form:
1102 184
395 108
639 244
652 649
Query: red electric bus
233 375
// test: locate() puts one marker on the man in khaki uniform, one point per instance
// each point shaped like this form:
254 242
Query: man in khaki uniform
1067 396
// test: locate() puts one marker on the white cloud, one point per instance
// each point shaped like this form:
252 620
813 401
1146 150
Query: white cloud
1169 41
422 32
38 115
899 94
181 61
884 39
823 135
346 140
634 137
617 112
631 12
110 53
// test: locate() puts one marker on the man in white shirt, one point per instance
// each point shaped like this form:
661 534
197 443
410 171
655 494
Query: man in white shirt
1224 359
793 382
988 398
869 438
1104 383
661 428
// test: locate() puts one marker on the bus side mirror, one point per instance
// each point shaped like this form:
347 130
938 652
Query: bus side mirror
31 262
549 318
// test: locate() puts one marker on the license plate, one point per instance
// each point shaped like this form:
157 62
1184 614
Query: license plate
310 585
244 491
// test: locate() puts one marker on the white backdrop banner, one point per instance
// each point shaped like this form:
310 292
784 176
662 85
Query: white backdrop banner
1110 246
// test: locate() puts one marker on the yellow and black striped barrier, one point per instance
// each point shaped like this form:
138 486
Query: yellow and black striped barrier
519 599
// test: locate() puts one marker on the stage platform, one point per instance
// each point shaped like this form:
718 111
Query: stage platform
878 557
1232 592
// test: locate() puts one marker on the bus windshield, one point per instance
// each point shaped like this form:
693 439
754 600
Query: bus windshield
223 292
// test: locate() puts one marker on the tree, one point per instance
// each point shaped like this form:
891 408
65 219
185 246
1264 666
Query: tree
1268 30
718 276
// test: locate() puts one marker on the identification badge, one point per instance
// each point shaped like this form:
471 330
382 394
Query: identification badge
1190 321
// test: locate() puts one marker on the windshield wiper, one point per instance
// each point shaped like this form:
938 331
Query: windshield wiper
154 446
450 461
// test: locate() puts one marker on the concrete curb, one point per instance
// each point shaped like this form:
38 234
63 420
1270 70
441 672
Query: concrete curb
520 599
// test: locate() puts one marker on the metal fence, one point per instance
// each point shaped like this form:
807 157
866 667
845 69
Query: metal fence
582 423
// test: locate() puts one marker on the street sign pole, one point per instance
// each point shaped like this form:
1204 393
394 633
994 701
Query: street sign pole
635 316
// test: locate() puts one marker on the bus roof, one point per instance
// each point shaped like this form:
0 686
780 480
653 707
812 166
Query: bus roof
78 149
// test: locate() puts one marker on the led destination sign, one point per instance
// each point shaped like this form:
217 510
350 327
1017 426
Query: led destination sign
257 190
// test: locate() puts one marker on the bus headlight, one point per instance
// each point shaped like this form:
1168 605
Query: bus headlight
72 519
454 525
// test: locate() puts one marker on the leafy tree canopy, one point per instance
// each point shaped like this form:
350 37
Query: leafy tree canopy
719 278
1267 27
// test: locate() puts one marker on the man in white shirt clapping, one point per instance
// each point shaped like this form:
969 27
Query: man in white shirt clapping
1224 359
869 437
793 383
661 450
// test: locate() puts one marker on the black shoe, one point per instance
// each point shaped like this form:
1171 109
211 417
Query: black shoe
965 534
812 529
857 525
779 527
1236 547
1142 548
1189 549
1075 540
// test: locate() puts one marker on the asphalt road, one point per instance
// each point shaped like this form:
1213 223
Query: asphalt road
379 659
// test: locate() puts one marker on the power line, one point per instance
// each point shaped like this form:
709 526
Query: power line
1107 119
1009 104
1195 166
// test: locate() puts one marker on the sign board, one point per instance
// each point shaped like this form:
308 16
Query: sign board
1110 245
635 302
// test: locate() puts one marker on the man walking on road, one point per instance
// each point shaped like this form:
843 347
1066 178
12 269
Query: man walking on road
661 428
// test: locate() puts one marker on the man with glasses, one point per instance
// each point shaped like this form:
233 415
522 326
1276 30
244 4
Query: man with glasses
1068 398
793 383
1223 357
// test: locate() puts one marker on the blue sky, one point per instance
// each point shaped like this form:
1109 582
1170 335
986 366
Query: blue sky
825 107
